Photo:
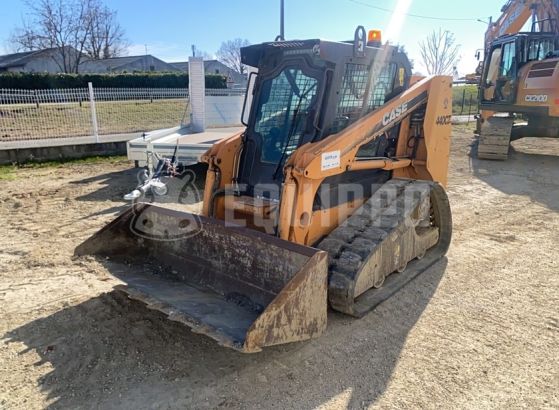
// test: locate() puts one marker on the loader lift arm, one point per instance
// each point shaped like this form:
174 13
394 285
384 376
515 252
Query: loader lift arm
304 171
421 116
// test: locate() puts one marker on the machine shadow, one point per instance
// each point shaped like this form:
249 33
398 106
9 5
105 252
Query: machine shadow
114 185
117 184
114 352
521 174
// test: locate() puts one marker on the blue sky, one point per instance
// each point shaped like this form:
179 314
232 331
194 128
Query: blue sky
169 27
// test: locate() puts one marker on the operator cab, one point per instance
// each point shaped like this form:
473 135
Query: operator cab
307 90
506 57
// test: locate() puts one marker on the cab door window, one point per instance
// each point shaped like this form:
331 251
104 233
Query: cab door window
508 65
492 74
504 87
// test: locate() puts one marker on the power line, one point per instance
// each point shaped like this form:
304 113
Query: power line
362 3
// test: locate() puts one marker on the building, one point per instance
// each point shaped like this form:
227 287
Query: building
127 64
49 60
215 67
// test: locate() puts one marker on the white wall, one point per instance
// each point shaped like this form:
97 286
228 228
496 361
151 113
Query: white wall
222 111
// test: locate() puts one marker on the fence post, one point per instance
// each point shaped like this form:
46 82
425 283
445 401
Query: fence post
93 112
470 109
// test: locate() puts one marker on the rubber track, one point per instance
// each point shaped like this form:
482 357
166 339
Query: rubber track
350 244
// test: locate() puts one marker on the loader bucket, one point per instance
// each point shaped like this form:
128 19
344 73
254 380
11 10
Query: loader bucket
243 288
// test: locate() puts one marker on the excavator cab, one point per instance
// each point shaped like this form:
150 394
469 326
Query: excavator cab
506 58
500 77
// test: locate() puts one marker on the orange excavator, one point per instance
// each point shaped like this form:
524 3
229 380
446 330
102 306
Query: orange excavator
520 78
333 195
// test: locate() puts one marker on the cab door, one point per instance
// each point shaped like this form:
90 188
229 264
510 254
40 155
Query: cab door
505 86
491 74
499 85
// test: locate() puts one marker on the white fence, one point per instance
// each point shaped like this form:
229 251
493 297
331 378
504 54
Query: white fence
27 115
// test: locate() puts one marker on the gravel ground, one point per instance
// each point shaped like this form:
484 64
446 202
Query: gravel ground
480 329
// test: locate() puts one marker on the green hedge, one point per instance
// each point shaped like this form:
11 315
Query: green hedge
35 81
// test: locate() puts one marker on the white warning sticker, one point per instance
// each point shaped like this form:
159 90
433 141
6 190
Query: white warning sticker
330 160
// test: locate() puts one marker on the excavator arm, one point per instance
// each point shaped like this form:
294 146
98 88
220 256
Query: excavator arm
515 14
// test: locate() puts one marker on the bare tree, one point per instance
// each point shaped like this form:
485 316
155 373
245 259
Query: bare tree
107 38
23 38
439 52
196 52
75 28
230 54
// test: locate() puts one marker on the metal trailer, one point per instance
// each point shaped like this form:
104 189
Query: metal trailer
191 145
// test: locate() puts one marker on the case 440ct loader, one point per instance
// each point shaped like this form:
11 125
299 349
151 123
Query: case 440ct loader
335 185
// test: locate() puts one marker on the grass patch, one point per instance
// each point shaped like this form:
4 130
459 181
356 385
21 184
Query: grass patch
464 100
26 121
107 159
7 172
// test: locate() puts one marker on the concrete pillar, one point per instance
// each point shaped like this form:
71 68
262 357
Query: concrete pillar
197 91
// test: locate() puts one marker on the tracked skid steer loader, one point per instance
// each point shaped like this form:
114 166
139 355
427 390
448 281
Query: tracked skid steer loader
333 195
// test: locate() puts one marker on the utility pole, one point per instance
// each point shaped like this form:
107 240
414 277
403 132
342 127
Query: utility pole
281 35
282 20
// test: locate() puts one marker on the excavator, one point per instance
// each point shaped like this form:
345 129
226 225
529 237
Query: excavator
332 196
520 77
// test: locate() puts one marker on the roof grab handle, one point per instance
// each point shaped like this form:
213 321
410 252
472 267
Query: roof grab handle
359 41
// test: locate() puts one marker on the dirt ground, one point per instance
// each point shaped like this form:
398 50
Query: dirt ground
480 329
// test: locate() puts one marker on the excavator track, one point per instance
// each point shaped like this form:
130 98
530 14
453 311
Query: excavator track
404 227
494 138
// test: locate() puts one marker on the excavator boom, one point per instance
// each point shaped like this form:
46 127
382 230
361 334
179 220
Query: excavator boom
515 15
